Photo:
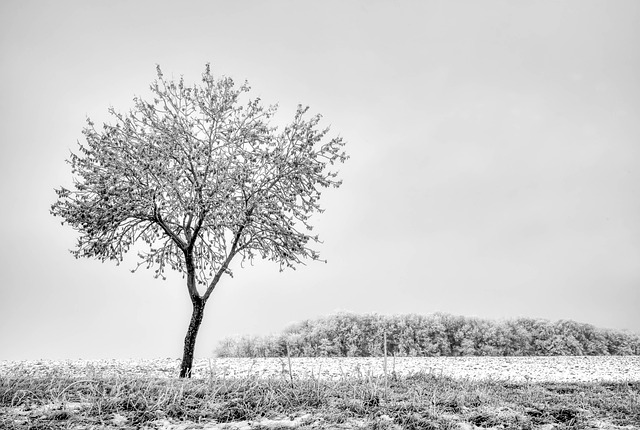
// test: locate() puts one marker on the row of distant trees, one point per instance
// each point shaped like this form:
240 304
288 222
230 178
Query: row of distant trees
352 335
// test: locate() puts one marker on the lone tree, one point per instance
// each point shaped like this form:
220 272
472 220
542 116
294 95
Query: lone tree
197 177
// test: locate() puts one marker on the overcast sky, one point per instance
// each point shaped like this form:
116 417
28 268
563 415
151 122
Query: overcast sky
494 171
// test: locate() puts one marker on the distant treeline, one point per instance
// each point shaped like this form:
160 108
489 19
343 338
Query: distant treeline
352 335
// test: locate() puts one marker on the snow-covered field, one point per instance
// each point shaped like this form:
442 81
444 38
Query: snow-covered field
517 369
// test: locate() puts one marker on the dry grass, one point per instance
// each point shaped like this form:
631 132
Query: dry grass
420 401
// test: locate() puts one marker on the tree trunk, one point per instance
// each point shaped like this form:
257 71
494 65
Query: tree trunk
190 338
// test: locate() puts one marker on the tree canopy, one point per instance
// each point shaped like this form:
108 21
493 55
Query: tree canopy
198 172
345 335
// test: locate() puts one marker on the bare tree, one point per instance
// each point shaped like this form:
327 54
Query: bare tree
198 177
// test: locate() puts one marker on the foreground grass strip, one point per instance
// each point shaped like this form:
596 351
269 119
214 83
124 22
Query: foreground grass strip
421 401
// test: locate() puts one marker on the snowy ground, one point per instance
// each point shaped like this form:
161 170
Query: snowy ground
533 369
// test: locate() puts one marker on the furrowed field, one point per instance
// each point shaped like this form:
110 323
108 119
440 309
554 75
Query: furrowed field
325 393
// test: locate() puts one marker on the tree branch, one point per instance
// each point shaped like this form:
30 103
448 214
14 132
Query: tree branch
225 265
178 241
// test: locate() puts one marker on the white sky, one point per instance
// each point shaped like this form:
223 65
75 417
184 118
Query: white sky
495 162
